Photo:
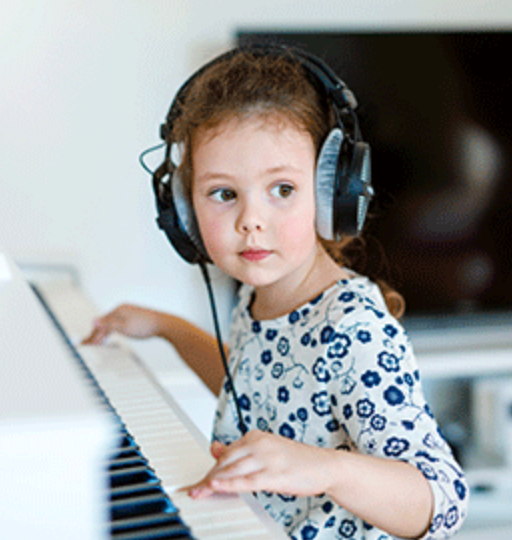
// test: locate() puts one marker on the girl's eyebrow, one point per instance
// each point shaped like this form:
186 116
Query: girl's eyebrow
207 176
283 168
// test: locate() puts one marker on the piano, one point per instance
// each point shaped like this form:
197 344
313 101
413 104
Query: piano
91 445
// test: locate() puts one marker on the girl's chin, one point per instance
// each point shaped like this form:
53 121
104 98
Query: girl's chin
256 279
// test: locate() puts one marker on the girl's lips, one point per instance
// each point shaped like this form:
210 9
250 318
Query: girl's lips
255 254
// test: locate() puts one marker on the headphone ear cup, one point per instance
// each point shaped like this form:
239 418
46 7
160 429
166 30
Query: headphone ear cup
325 183
177 219
353 190
362 165
186 214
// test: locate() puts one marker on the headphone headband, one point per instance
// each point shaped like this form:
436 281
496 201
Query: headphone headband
335 89
343 189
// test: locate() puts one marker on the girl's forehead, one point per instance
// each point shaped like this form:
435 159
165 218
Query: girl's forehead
254 147
270 121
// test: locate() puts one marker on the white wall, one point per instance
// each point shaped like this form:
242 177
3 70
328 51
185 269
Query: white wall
84 86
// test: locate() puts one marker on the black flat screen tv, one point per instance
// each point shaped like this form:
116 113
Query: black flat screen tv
436 109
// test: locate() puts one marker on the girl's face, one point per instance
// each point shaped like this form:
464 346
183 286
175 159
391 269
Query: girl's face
253 194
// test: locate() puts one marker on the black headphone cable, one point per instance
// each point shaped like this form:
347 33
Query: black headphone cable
241 424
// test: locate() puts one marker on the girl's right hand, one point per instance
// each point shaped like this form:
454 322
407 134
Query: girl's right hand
129 320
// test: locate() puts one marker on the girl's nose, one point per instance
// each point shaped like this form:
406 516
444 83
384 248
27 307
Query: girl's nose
249 227
249 220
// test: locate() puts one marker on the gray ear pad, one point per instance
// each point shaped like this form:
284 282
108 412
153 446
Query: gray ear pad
185 213
325 183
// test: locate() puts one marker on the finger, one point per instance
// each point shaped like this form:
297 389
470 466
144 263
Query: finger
211 486
238 484
89 340
239 467
96 337
102 328
217 449
200 490
206 486
235 451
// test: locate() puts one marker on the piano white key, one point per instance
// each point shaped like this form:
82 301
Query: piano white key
174 448
175 465
225 514
204 509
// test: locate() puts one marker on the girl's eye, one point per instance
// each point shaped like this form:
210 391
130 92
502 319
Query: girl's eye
282 190
223 195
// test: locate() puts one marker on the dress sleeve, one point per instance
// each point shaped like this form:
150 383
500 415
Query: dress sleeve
381 406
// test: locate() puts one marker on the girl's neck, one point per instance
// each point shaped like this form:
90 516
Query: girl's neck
281 298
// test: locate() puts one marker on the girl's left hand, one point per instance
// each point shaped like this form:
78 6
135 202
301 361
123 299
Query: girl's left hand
266 462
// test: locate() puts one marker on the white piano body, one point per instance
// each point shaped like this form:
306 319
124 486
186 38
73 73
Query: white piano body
56 437
53 435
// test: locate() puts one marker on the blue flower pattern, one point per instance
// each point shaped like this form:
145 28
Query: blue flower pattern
339 372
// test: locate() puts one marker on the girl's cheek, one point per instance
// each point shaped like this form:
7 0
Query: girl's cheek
298 232
214 239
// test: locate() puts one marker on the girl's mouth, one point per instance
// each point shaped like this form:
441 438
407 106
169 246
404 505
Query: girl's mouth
254 255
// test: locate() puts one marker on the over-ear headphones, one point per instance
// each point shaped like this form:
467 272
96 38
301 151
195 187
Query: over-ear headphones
343 176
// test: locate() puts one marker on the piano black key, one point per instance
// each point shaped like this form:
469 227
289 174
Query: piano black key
141 504
126 445
136 402
135 475
149 521
163 532
139 507
126 460
151 515
121 491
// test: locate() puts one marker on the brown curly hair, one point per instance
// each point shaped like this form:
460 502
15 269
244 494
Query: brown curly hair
245 83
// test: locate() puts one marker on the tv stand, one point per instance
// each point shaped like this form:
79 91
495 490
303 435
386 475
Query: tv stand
466 367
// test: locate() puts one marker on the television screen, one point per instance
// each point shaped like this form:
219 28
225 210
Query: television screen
436 109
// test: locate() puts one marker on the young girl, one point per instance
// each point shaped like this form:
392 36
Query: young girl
341 443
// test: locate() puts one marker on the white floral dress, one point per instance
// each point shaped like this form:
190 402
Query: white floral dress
339 372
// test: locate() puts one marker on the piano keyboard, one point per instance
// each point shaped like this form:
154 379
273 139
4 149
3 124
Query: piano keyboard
159 450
